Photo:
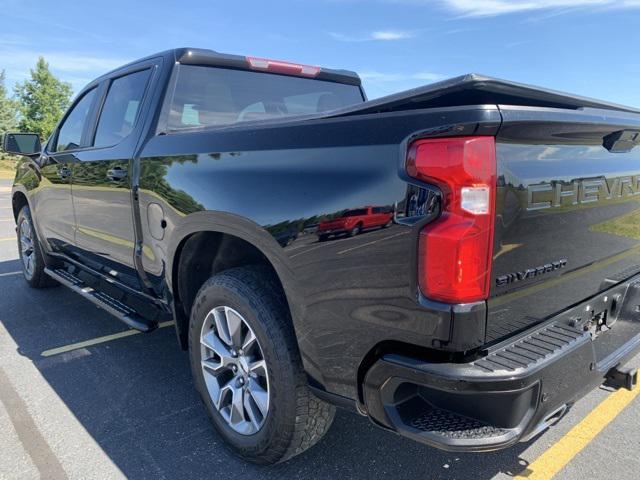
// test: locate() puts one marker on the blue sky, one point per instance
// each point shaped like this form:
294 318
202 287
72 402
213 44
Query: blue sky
589 47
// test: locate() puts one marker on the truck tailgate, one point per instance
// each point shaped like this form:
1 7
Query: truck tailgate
568 211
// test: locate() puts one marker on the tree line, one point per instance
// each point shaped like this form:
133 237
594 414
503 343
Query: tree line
36 104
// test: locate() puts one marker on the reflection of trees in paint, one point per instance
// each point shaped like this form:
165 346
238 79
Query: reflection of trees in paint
153 177
95 174
419 202
153 173
28 176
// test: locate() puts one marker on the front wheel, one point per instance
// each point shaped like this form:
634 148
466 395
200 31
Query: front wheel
355 230
30 253
248 370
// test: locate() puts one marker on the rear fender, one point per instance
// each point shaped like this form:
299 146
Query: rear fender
244 229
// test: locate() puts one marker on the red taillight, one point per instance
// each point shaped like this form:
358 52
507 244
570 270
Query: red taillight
276 66
455 251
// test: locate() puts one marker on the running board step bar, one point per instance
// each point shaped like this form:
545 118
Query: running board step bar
102 300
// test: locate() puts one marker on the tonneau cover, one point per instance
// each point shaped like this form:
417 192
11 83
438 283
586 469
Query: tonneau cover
474 89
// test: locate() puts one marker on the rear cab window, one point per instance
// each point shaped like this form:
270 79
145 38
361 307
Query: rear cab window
214 97
356 213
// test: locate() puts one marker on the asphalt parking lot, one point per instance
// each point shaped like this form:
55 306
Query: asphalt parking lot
82 398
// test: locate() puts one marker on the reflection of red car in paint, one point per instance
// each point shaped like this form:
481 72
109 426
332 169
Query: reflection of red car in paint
352 222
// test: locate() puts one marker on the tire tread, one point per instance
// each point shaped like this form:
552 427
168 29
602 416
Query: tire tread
313 417
39 279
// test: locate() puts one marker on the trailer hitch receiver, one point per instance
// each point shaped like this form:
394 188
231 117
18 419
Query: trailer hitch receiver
622 377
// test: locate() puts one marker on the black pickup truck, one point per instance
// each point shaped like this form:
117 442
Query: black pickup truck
186 187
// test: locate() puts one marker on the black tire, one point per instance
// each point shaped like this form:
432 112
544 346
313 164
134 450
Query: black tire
296 419
36 278
323 238
355 230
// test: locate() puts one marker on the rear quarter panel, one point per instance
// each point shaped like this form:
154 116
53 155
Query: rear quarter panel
347 294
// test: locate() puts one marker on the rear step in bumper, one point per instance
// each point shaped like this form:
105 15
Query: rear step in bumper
102 300
515 391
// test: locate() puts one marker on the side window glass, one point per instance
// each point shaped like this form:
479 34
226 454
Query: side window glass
121 108
70 133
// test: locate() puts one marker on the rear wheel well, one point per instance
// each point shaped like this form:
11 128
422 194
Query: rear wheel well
204 254
18 201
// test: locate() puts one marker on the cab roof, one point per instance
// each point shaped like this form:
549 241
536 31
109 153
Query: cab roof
205 57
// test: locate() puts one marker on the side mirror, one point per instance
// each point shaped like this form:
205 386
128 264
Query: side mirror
21 143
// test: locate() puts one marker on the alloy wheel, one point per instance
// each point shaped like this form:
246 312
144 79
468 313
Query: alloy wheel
234 369
27 253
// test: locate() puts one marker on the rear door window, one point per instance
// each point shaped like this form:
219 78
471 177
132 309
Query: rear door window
211 97
121 108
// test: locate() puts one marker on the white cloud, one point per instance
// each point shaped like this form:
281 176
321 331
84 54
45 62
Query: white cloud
382 35
428 76
76 68
82 63
479 8
391 35
548 152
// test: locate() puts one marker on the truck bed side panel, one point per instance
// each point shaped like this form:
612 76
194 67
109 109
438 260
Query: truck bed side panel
347 294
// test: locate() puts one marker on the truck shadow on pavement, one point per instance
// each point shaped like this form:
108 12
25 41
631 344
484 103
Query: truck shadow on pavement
135 397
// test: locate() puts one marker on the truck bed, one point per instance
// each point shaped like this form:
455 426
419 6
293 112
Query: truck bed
548 143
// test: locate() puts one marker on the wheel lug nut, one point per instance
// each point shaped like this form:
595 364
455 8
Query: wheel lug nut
234 368
234 353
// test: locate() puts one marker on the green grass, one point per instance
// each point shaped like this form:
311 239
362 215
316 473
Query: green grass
7 167
627 225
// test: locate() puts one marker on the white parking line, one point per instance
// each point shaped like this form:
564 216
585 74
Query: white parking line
298 247
371 243
332 242
310 250
96 341
8 274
